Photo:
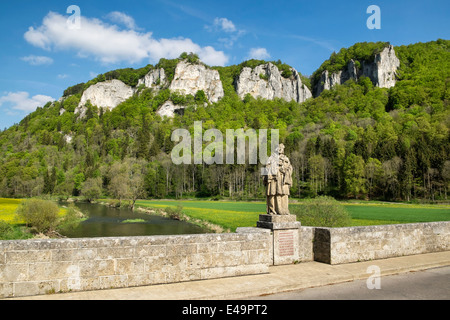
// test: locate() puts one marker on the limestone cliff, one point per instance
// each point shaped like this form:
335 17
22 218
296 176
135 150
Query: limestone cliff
190 78
381 71
108 94
155 79
266 81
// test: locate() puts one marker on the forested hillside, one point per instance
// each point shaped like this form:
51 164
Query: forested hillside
354 141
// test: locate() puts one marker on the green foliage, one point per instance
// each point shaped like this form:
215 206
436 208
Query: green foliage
169 67
92 189
191 57
363 51
129 76
76 89
11 232
40 215
174 213
71 220
322 212
355 141
263 76
285 69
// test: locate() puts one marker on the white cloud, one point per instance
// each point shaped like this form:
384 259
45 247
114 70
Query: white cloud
108 44
258 53
37 60
225 24
120 17
21 101
232 33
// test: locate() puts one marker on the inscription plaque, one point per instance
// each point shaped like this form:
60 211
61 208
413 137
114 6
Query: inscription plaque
285 232
286 243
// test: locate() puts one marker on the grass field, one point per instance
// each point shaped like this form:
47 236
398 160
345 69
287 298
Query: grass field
245 214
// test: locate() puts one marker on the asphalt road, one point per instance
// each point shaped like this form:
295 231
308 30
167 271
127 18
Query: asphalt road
431 284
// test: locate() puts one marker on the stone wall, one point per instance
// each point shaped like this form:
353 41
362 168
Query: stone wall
32 267
344 245
306 242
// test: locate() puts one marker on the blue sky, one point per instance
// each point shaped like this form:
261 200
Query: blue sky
41 54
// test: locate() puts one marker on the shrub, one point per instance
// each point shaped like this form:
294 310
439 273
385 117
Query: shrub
71 219
174 213
40 215
322 212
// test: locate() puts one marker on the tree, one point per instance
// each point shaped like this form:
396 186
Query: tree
118 185
137 188
92 189
373 172
390 178
354 175
446 176
137 170
318 169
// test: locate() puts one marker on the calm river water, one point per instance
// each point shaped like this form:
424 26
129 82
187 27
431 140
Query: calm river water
105 221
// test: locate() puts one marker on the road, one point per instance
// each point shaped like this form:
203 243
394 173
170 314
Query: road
432 284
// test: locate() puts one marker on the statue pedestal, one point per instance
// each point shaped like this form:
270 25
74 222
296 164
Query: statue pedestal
285 233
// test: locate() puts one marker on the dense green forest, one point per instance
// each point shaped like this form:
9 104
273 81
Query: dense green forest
354 141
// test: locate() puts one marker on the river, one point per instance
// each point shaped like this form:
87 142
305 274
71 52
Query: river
105 221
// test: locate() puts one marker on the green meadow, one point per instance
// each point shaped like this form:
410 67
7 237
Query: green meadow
231 215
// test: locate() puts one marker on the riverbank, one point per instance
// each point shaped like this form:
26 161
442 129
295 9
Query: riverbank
162 212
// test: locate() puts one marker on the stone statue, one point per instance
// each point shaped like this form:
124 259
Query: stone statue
278 182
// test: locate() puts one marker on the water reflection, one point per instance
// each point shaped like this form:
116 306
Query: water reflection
105 221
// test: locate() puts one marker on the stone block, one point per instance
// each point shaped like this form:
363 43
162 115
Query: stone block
278 222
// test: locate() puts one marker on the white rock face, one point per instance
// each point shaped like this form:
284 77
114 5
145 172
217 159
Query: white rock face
190 78
387 65
107 94
265 81
168 109
155 79
382 72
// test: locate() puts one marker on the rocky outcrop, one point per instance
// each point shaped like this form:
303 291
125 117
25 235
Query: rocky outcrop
168 109
381 71
191 78
384 74
108 94
155 79
265 81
